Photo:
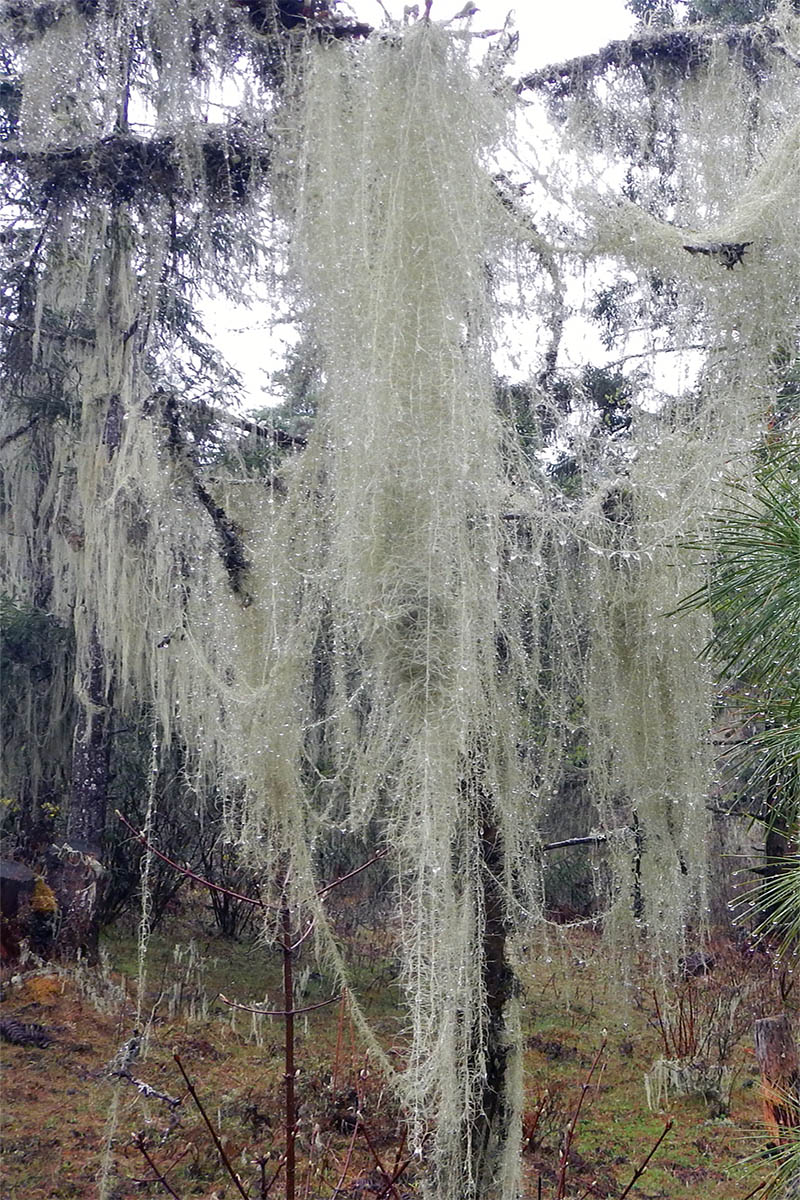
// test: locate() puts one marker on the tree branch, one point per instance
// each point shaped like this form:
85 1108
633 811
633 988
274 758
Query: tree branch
281 16
230 548
18 433
286 441
681 50
189 874
279 1012
595 839
127 166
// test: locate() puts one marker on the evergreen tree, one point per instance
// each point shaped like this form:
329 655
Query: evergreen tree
407 598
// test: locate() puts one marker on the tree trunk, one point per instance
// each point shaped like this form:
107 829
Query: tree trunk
493 1125
77 875
776 1055
105 373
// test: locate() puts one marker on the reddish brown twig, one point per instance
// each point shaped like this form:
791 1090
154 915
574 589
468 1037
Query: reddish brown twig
759 1188
346 1165
266 1188
339 1032
640 1170
562 1175
397 1174
226 1162
401 1145
288 1001
278 1012
356 871
389 1180
187 872
138 1142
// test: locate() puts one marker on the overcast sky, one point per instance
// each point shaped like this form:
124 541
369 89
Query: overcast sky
549 31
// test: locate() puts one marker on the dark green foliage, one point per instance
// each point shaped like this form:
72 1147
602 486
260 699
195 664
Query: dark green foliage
29 638
517 403
721 12
653 12
37 714
609 392
753 591
730 12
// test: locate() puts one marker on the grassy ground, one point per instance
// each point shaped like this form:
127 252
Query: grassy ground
61 1109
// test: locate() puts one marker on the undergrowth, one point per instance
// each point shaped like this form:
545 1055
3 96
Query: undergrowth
587 1128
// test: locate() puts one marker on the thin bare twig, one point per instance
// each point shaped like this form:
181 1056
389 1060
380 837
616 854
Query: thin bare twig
640 1170
389 1179
188 873
595 839
266 1188
573 1125
346 1165
279 1012
356 871
396 1176
215 1137
303 936
138 1142
759 1188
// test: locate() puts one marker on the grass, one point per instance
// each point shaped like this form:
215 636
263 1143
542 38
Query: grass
57 1100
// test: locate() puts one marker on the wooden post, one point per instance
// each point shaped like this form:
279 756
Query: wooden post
776 1055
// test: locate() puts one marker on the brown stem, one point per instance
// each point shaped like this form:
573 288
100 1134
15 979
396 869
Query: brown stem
399 1153
662 1027
339 1032
640 1170
214 1136
288 1000
346 1166
389 1179
758 1188
186 872
573 1125
266 1188
356 871
279 1012
397 1174
138 1142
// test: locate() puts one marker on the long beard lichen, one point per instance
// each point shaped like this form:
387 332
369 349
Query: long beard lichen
398 505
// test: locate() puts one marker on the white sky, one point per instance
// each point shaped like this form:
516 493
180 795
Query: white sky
549 31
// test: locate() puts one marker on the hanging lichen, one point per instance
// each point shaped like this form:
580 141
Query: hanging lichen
403 628
397 513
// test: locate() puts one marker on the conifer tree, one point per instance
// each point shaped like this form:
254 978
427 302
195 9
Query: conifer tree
409 601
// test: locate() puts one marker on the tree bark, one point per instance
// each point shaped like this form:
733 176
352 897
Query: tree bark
776 1055
77 875
494 1121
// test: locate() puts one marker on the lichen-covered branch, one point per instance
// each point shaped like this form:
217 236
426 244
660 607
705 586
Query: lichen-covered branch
678 50
125 167
280 16
230 548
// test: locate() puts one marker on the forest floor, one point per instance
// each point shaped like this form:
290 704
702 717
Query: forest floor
66 1122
